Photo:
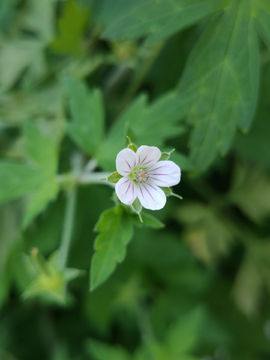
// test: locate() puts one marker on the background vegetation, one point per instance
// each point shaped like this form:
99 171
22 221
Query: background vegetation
77 77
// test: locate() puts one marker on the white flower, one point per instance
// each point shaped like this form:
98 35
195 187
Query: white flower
143 174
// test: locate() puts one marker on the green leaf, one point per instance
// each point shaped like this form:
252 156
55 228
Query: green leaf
87 125
10 226
39 18
261 12
158 19
71 26
184 335
39 200
40 148
151 125
44 154
222 92
17 180
116 231
148 221
101 351
18 56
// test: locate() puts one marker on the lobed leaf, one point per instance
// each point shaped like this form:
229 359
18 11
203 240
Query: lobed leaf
44 154
157 19
150 124
87 125
222 93
116 230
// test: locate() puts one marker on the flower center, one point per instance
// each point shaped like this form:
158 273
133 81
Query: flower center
141 176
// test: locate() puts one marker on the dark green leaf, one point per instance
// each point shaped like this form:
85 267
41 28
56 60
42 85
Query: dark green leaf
71 26
222 92
158 19
151 125
102 351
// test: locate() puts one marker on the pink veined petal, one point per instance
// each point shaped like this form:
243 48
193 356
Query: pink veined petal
165 173
151 197
126 160
126 190
148 155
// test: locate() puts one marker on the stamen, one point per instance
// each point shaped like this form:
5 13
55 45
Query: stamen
141 176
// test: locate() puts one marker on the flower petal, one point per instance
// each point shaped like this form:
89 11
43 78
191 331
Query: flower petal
148 155
165 173
126 190
126 160
151 197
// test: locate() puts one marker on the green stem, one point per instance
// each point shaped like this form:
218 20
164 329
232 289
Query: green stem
76 165
68 227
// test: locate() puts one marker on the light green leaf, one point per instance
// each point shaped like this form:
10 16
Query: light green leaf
101 351
87 125
116 231
261 12
222 92
40 148
158 19
150 124
148 221
251 192
44 154
184 335
17 56
71 26
39 200
39 18
17 180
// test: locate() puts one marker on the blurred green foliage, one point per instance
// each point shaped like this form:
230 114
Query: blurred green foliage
193 280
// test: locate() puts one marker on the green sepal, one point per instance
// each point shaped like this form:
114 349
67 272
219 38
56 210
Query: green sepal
131 145
166 155
136 206
114 177
168 192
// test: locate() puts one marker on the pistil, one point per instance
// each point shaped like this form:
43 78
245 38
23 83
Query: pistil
141 176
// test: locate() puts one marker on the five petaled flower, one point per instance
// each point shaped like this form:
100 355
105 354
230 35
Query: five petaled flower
143 173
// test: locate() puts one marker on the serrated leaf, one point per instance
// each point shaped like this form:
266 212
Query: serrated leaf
71 26
87 125
222 92
158 19
116 230
17 180
101 351
151 124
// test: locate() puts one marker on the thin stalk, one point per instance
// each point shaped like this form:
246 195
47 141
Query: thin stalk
68 227
76 164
